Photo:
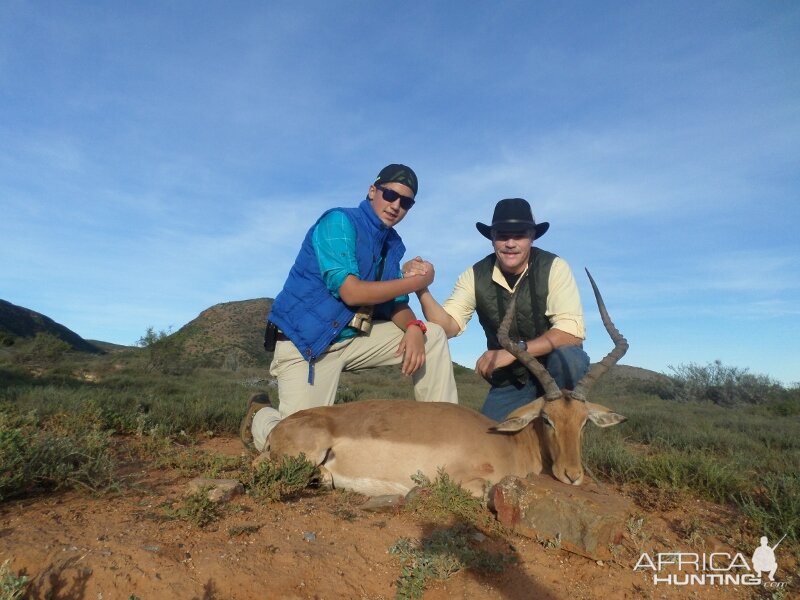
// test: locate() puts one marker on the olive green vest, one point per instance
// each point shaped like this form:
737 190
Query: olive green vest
530 320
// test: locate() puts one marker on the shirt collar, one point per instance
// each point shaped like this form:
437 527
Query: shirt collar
499 278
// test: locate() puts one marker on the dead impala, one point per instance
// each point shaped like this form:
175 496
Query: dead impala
374 446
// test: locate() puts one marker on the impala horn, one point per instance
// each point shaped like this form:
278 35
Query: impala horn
597 370
551 391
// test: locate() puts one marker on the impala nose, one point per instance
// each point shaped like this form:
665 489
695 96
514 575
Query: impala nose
574 477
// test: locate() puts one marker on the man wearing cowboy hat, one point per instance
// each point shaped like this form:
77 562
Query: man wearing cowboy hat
549 320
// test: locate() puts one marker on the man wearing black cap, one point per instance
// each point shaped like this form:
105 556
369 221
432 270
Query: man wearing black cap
549 320
344 307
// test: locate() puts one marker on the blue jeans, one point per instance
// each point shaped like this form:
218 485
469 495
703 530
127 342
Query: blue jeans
567 365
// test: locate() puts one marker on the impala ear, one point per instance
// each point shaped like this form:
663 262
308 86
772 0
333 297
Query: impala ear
602 416
521 417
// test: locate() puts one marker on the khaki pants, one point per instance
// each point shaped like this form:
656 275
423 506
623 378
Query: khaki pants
434 382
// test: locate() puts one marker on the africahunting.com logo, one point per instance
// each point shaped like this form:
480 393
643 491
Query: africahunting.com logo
715 568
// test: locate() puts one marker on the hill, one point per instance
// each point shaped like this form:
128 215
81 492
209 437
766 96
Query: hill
227 334
630 373
19 322
235 331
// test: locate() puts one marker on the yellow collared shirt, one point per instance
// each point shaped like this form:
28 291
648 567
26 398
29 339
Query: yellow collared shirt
564 310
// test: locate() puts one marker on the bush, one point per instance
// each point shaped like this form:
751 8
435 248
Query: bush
199 509
151 337
788 407
442 499
440 556
165 353
12 587
71 450
273 480
44 348
723 385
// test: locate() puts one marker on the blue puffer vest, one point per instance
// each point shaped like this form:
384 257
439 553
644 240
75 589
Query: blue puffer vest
306 312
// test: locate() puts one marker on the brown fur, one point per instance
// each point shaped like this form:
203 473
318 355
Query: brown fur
375 446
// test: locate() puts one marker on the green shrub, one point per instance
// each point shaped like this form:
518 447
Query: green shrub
723 385
273 480
199 509
152 336
165 352
70 450
12 586
442 499
440 556
42 349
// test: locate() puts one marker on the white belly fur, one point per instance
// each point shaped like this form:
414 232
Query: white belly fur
369 487
378 467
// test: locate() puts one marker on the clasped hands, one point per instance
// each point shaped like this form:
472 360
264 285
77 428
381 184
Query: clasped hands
412 346
417 267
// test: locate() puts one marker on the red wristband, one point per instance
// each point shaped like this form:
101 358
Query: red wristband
419 324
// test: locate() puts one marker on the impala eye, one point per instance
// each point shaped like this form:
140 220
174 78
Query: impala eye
547 421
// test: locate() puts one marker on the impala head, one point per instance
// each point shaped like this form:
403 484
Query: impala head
560 415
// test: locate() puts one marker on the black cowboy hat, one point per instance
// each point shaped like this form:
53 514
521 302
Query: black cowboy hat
513 214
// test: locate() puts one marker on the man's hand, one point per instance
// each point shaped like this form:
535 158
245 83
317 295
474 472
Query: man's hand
491 360
413 346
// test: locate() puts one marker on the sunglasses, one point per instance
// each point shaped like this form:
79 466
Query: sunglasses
391 196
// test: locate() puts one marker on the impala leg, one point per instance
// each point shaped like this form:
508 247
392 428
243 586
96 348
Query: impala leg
477 486
326 478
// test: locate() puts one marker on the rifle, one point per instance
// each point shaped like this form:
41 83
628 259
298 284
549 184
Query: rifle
779 541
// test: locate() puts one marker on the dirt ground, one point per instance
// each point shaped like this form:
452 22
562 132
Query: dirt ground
74 546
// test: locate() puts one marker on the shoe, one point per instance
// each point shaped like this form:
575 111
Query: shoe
255 404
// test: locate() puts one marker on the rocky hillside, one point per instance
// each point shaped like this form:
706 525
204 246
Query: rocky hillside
227 334
19 322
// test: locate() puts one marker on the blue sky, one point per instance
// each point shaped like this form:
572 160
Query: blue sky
158 158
